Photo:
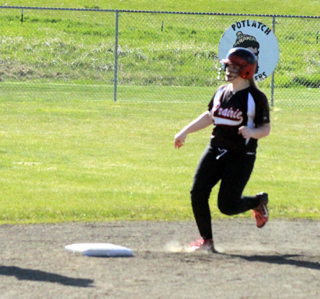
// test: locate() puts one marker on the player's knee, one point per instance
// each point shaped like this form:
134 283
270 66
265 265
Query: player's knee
226 209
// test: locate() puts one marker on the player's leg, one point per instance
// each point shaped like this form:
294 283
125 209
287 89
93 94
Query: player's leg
206 176
234 179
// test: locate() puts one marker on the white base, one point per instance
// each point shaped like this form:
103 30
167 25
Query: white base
100 249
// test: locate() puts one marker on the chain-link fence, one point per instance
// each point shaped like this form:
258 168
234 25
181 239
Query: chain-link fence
140 55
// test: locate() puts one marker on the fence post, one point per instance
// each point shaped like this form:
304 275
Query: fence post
272 78
116 58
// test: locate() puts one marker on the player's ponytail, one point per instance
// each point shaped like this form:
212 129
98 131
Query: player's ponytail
252 83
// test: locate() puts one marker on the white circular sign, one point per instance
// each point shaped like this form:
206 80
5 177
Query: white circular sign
258 38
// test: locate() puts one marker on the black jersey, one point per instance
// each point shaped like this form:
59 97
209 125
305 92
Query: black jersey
247 107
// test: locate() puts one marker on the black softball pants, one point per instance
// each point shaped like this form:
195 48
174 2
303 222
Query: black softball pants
233 170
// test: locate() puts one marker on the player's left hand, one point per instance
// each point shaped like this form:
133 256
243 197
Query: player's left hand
246 132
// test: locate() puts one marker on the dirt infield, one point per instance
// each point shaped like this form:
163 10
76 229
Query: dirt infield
282 260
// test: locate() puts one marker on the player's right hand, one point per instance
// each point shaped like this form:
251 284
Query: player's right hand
179 139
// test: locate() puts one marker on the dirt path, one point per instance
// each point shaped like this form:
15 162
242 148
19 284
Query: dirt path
282 260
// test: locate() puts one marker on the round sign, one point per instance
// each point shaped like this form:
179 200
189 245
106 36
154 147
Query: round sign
258 38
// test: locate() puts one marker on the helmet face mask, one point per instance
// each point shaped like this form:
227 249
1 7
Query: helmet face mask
242 58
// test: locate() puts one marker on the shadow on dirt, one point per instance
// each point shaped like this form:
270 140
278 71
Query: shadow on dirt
286 259
37 275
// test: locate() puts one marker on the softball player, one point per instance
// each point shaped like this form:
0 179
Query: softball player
239 112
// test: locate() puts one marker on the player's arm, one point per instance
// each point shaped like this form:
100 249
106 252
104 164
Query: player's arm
203 121
256 133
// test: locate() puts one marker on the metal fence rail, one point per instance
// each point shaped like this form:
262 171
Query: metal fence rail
149 53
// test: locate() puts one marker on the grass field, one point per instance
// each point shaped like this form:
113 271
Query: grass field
70 153
75 155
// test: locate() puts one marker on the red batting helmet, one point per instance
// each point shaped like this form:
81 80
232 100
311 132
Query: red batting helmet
245 59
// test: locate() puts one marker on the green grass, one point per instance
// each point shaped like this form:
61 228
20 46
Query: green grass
75 155
284 7
78 47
